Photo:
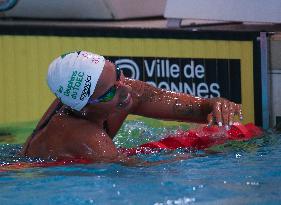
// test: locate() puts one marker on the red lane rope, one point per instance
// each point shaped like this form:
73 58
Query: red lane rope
200 138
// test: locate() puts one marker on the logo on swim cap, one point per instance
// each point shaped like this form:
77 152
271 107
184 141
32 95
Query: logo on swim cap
87 87
72 77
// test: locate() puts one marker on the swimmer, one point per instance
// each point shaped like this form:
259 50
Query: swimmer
93 100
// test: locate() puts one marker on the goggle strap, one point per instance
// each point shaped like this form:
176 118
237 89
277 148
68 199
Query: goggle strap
93 101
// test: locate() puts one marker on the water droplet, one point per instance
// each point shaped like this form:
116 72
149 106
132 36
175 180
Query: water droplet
238 156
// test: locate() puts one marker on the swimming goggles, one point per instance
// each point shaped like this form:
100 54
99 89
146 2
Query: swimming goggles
110 93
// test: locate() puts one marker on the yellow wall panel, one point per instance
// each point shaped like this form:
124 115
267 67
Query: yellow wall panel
235 49
210 49
247 81
24 61
199 48
222 49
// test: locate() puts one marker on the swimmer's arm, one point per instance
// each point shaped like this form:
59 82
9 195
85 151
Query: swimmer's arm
152 102
162 104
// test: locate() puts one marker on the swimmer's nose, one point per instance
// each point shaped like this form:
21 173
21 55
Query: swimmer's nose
129 88
125 87
122 85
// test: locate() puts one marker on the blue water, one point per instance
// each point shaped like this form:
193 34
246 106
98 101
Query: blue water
235 173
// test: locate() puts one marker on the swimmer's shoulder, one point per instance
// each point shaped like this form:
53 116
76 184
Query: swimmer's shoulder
84 138
65 121
68 126
64 135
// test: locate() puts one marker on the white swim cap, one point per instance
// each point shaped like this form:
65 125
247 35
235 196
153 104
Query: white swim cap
73 77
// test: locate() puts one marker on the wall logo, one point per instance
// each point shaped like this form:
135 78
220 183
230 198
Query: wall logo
196 76
129 66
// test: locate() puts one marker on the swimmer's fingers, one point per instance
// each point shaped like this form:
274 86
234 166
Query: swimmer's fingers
232 112
210 119
217 112
238 111
229 111
225 110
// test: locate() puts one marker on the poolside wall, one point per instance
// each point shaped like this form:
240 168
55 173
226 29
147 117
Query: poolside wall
275 79
24 59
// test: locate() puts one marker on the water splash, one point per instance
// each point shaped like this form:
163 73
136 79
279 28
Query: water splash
134 133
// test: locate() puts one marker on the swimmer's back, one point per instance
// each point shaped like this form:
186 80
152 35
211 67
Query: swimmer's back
67 137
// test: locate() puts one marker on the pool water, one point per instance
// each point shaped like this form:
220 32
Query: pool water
233 173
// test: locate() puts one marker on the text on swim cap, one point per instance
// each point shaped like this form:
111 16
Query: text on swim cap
74 84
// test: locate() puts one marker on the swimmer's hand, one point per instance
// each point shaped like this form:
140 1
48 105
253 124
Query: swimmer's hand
223 112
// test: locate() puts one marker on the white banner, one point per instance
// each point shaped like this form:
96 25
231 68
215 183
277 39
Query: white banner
267 11
84 9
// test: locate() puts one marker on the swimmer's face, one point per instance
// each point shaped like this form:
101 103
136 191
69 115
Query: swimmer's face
111 92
